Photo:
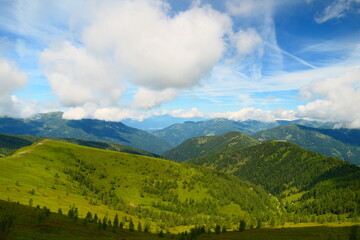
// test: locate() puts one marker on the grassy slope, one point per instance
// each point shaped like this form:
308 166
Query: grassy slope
10 143
198 146
134 179
58 227
339 143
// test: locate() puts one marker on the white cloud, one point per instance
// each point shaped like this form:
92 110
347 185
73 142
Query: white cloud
336 99
11 79
255 114
159 51
335 10
247 42
246 8
78 77
146 98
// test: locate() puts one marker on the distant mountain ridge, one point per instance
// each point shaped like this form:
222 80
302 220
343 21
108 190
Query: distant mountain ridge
198 146
9 143
53 125
339 143
178 133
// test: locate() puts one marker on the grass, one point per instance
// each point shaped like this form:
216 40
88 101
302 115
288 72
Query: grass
37 172
58 227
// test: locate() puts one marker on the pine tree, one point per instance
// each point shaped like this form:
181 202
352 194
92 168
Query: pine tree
121 225
131 225
104 224
139 227
242 226
259 224
116 221
161 234
217 229
88 217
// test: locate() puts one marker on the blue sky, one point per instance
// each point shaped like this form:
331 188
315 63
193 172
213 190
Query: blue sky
137 59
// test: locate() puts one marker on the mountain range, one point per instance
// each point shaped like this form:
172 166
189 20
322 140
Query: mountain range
177 133
53 125
339 143
199 146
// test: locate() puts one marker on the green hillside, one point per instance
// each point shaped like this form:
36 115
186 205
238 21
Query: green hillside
314 183
198 146
53 125
339 143
163 193
10 143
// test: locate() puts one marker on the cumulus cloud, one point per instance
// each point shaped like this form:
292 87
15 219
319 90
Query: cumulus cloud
335 99
11 79
146 98
255 114
78 77
159 51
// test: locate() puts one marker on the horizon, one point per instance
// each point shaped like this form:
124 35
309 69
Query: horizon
136 59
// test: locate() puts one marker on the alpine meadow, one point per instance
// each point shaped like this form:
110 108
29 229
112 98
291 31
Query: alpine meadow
180 119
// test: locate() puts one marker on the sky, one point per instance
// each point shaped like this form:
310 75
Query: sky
188 59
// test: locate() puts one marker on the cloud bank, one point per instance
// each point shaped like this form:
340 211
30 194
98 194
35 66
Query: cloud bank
336 99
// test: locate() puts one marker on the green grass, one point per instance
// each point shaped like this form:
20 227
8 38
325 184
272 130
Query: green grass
58 227
138 182
300 233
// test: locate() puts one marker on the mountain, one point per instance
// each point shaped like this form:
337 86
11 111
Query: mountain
312 182
339 143
53 125
178 133
162 193
9 143
198 146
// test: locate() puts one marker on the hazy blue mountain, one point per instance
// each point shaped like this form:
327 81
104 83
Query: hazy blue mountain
198 146
340 143
178 133
155 123
10 142
53 125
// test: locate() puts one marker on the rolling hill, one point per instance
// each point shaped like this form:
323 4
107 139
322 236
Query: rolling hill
9 143
312 182
198 146
53 125
339 143
178 133
163 193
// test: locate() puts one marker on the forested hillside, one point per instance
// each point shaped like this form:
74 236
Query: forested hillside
309 182
199 146
53 125
339 143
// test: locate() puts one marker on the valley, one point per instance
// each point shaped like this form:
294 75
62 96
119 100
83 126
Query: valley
273 187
